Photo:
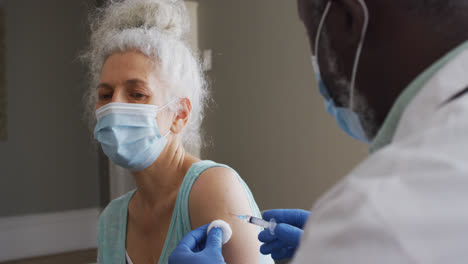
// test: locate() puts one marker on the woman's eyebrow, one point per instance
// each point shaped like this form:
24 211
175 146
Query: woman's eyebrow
136 82
104 86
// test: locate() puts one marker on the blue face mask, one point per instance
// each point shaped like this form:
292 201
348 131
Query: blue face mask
129 134
347 119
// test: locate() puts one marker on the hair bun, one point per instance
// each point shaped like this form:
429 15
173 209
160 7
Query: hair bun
166 16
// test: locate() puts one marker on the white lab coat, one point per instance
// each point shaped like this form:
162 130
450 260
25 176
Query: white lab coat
408 202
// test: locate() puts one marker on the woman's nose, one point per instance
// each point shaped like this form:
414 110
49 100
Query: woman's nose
119 97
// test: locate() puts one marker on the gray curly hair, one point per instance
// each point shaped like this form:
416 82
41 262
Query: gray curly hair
156 28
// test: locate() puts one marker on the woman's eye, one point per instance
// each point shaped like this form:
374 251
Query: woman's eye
105 96
139 95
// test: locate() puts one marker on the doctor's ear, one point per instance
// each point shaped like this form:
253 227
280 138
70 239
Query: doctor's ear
184 109
347 19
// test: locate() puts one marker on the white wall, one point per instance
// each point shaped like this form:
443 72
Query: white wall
48 165
268 121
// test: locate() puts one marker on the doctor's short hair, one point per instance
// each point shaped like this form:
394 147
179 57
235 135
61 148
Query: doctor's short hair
434 8
157 29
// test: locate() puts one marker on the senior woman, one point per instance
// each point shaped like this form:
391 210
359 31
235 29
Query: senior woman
148 95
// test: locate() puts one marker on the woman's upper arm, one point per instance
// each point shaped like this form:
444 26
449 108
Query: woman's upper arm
218 194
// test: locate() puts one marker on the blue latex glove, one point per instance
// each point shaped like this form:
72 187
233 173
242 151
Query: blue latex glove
288 232
198 248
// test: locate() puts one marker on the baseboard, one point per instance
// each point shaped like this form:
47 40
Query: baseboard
46 234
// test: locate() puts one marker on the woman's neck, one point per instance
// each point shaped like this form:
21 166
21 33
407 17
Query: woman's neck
161 181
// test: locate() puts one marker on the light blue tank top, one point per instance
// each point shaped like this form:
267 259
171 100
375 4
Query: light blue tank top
112 227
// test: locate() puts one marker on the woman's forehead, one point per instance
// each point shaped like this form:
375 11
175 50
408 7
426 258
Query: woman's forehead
130 67
129 61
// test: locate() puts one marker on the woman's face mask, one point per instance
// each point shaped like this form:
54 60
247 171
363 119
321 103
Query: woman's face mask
129 134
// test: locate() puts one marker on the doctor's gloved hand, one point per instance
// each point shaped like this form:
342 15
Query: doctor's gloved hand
287 233
198 248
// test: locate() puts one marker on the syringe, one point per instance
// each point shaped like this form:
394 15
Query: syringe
271 225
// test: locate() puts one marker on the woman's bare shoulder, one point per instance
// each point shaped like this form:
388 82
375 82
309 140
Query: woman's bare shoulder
217 191
219 194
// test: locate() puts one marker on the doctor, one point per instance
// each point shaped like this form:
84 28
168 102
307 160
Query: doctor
394 74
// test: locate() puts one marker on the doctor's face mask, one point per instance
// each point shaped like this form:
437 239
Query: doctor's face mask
347 119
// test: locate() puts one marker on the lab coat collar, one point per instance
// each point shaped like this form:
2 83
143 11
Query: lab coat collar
443 89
